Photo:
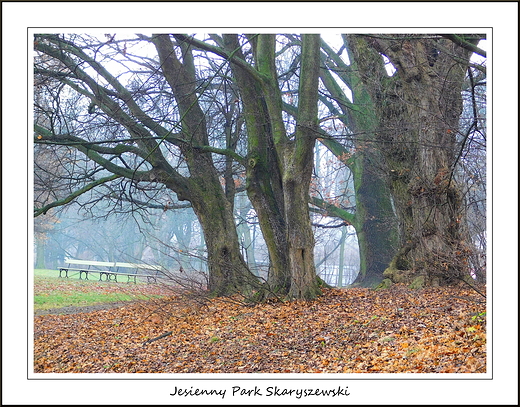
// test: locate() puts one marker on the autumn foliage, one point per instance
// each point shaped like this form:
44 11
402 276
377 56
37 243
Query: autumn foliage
358 330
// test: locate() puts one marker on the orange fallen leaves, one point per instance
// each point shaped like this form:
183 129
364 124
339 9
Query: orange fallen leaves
344 331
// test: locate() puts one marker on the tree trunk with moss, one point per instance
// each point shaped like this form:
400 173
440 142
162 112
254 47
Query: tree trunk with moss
279 168
228 272
375 221
298 167
420 108
263 171
374 218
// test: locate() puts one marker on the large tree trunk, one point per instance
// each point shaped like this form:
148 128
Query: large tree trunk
374 222
374 219
299 231
298 165
279 169
273 226
228 272
420 108
263 173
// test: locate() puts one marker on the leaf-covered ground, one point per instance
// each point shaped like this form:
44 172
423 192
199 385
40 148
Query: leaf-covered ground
358 330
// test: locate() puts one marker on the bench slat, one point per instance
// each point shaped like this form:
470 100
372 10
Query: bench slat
89 262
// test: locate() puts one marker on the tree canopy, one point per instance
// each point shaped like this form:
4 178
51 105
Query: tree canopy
148 124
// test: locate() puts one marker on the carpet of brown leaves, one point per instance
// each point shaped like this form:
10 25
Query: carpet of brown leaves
358 330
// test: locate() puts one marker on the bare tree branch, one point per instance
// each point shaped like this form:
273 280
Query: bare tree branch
74 195
459 40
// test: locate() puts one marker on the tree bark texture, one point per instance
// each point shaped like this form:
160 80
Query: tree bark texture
420 106
228 272
279 168
374 218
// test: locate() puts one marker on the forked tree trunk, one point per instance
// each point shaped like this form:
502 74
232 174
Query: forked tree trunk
263 173
279 169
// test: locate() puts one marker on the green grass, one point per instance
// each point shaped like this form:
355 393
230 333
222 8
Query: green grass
46 273
42 302
51 291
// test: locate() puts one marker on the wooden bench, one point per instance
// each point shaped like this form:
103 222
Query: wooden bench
152 273
110 270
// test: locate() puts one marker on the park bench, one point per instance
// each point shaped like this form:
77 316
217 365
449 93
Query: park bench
152 273
110 270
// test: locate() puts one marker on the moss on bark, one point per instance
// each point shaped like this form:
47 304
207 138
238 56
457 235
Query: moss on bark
420 108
